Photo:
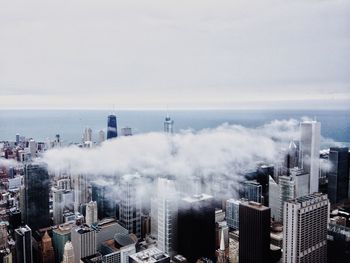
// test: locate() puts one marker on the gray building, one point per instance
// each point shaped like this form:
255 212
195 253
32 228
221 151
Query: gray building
23 238
84 242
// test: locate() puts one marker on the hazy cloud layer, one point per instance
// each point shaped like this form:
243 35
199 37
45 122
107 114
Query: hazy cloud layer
155 53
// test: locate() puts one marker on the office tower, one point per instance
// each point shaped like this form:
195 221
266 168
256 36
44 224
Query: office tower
168 125
62 200
64 183
338 243
91 213
275 199
57 142
126 131
305 229
3 234
60 236
23 238
36 196
130 206
68 255
80 191
338 176
47 252
310 133
154 217
263 172
232 213
292 156
196 227
87 136
150 255
118 249
103 193
84 242
112 131
167 216
252 191
101 136
254 232
17 138
32 148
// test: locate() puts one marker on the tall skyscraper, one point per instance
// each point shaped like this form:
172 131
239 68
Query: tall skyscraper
167 216
130 206
91 213
68 255
168 125
232 213
254 233
36 196
80 191
101 136
310 133
338 176
103 193
112 131
252 191
62 199
87 136
23 238
60 236
84 242
196 227
47 252
305 223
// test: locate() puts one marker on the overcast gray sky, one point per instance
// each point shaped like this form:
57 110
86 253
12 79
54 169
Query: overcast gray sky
176 54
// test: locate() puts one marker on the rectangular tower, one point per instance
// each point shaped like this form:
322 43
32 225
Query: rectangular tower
23 237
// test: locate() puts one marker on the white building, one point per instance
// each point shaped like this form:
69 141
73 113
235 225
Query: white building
68 255
80 191
310 133
101 136
305 229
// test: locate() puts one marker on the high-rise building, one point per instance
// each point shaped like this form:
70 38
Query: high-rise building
254 232
80 191
36 196
310 133
168 125
292 156
87 136
60 236
232 213
112 131
338 176
167 216
196 227
32 145
130 206
305 223
84 242
91 213
47 251
252 191
338 243
68 255
62 199
3 234
103 193
101 136
23 238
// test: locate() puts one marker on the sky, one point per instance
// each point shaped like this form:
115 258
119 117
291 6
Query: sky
175 54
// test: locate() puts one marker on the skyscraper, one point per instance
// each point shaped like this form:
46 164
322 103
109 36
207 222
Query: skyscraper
232 213
36 196
252 191
101 136
112 131
254 233
91 213
68 255
23 238
87 136
310 133
130 206
60 236
126 131
47 252
84 242
80 191
103 193
338 176
196 227
305 223
167 216
168 125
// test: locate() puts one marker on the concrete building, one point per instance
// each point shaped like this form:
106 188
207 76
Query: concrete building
91 213
305 223
232 213
84 242
310 133
68 255
118 249
151 255
60 236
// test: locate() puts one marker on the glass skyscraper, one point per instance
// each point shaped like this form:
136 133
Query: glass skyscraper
112 131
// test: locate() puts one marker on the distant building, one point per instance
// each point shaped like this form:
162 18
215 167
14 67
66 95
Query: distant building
80 191
168 125
87 136
112 127
126 131
252 191
23 238
305 223
338 176
254 232
68 255
91 213
310 133
103 193
151 255
36 196
101 136
196 227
